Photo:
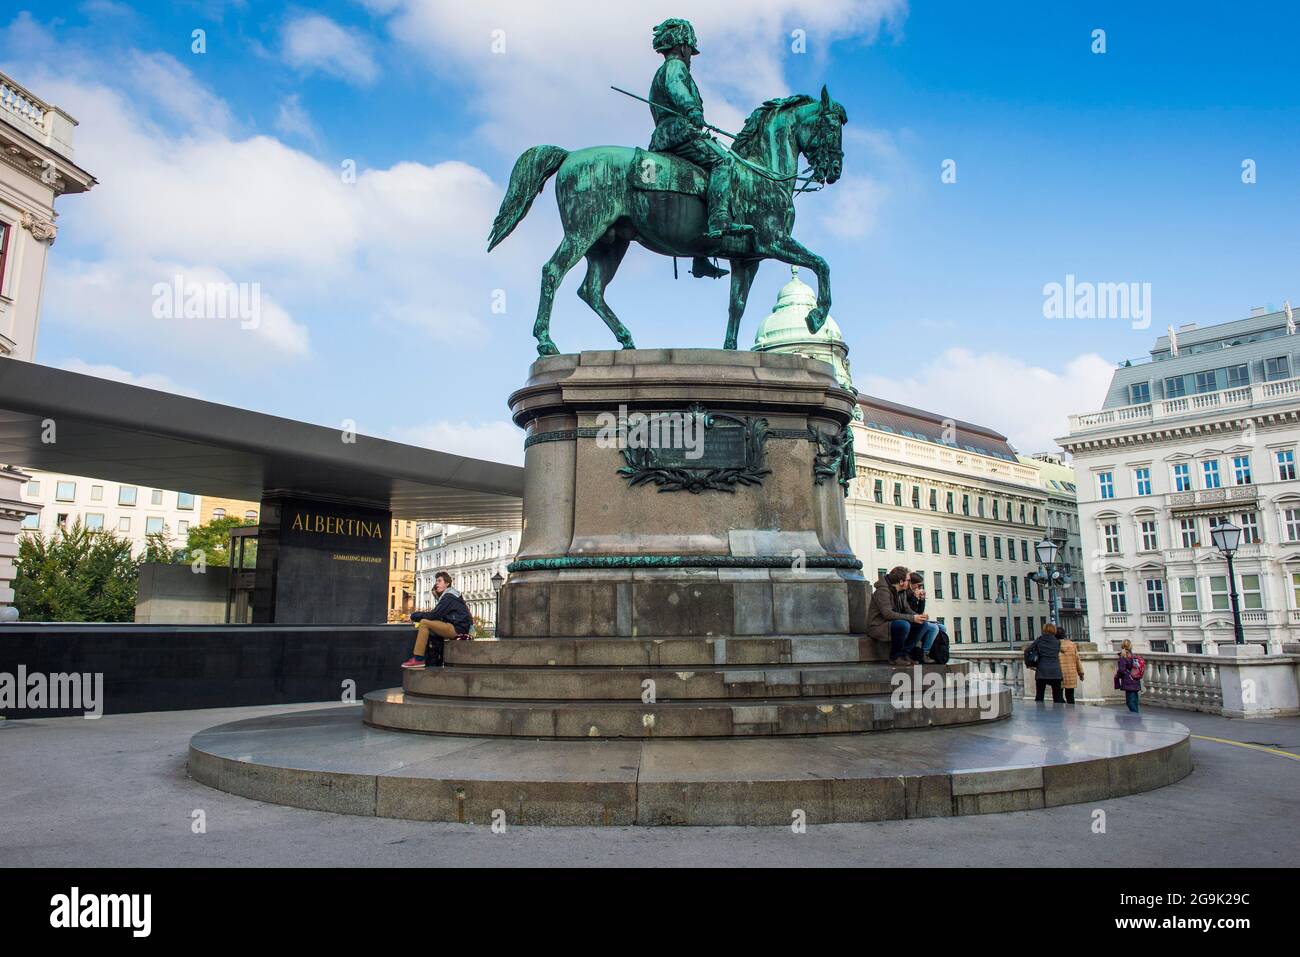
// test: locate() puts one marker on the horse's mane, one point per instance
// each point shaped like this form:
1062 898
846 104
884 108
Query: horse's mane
758 120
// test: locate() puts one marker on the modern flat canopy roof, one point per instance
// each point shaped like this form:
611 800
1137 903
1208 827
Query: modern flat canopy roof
125 433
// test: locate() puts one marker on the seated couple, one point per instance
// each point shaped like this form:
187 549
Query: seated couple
450 619
897 615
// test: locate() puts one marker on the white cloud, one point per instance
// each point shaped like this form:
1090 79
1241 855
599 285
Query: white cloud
495 441
315 42
551 83
149 380
292 119
1029 404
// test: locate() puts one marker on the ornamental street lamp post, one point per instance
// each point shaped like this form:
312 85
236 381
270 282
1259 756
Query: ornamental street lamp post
1226 538
1046 552
497 581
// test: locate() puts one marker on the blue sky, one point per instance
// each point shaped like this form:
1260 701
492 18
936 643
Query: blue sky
1123 166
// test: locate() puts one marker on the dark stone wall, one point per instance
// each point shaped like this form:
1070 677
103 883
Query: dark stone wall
178 667
321 562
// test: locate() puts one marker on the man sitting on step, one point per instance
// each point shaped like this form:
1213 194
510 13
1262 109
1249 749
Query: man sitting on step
449 619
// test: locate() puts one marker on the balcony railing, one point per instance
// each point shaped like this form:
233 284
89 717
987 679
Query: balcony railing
21 106
1190 682
1240 397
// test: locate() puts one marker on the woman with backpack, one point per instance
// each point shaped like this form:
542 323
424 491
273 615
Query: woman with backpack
1128 675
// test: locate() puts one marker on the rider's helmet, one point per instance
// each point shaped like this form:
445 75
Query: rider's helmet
673 33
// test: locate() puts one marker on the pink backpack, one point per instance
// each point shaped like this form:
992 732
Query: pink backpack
1138 668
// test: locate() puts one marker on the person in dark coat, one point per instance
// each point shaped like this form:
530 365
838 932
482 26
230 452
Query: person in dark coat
890 619
1048 674
449 619
914 598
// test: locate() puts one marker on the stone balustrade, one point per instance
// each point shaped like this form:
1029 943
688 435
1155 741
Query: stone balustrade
21 105
1239 682
1241 397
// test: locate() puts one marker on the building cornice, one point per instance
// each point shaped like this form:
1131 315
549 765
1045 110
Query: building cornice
1179 431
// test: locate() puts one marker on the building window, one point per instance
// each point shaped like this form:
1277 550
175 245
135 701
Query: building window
1219 592
185 501
153 525
898 538
965 504
155 497
1142 481
934 500
31 521
1187 532
1155 594
880 535
250 516
956 630
1211 470
997 549
1252 596
984 588
61 520
970 587
94 522
1022 514
879 492
984 546
1241 469
97 493
1118 598
952 543
218 513
979 506
1175 387
1150 538
934 540
33 488
1286 465
1250 528
124 524
988 627
1015 589
126 495
1106 485
182 527
1139 393
1182 477
995 510
918 540
955 580
1002 627
916 496
1292 516
966 542
1279 368
1187 595
1207 381
898 493
1238 376
1111 534
65 491
974 630
948 502
1295 588
1024 550
938 584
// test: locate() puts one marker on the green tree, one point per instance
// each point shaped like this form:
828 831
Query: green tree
77 574
213 540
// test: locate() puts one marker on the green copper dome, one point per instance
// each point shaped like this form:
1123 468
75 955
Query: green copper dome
786 330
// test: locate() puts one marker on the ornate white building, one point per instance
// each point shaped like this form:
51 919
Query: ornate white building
1203 431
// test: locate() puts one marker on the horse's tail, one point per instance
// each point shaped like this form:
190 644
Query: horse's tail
530 174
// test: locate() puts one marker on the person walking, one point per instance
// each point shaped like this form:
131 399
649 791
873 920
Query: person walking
1128 676
1047 673
1071 665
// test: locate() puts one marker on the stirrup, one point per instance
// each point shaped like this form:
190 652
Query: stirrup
701 268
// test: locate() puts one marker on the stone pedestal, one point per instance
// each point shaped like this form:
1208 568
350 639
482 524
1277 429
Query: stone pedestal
1258 685
683 493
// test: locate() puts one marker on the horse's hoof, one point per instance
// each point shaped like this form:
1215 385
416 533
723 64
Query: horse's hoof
629 344
816 319
730 343
545 347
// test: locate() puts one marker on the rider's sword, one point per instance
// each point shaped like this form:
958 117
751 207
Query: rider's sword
669 109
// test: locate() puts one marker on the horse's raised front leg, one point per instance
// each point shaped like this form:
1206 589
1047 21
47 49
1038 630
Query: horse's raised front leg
742 277
564 258
789 250
602 262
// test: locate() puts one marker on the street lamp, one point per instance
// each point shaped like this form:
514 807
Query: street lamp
1046 552
497 581
1226 538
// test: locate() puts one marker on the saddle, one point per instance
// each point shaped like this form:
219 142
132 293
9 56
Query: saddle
666 172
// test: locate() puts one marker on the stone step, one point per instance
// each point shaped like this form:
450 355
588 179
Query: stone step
664 651
395 710
630 683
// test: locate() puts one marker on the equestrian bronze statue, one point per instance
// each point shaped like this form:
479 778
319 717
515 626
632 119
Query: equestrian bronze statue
688 195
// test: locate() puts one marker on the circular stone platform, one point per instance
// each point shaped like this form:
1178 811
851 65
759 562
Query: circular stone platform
1042 756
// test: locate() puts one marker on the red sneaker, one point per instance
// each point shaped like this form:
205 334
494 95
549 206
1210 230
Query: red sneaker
414 664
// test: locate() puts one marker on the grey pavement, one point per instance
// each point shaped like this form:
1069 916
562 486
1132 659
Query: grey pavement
113 792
